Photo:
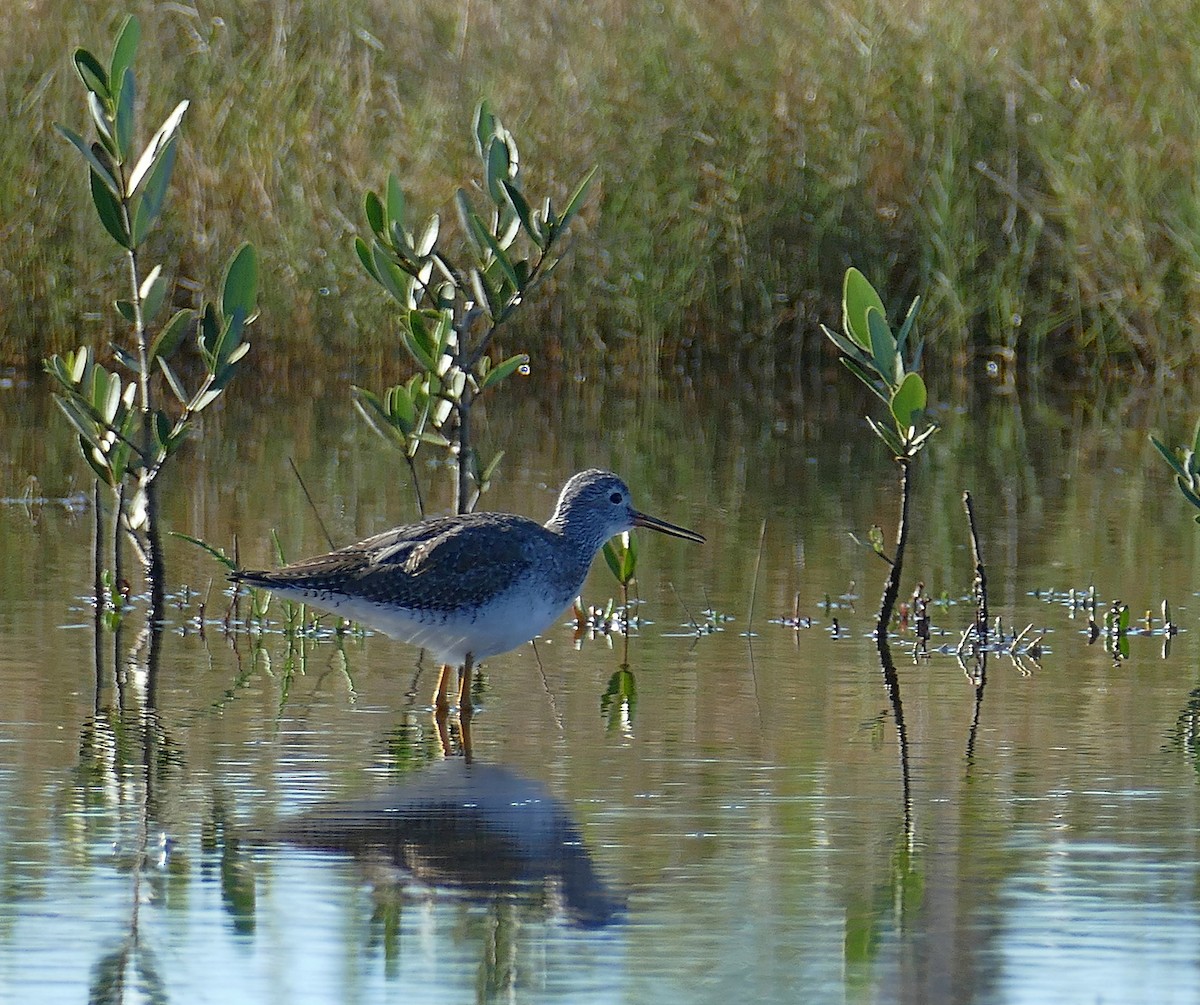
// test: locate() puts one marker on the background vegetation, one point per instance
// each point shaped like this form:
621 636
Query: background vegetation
1030 168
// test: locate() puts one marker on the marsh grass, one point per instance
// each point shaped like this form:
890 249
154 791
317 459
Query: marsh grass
1031 169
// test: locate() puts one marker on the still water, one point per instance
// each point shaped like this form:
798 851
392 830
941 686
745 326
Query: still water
718 808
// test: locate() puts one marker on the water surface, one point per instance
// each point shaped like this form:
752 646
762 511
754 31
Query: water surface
734 784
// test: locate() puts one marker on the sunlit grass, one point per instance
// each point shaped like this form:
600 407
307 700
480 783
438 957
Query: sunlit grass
1030 168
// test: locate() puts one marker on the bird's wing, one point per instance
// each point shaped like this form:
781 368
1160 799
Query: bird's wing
467 559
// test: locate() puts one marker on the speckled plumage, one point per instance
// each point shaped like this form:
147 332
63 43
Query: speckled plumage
469 586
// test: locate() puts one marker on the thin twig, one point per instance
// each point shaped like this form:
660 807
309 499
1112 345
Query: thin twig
762 533
308 496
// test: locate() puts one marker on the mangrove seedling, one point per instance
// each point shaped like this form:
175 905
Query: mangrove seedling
131 424
451 306
886 362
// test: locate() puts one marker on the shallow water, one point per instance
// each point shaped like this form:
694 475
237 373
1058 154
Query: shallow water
737 796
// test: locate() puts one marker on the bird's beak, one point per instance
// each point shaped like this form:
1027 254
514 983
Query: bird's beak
642 520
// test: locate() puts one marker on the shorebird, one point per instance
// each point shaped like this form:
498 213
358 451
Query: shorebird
472 586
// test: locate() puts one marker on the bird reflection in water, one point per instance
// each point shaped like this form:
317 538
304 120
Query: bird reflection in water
478 830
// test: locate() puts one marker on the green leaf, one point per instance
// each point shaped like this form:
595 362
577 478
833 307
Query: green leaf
391 277
102 123
373 210
99 168
153 292
501 258
484 127
93 75
395 203
908 401
401 409
109 210
126 309
160 143
857 296
906 328
496 169
162 433
1170 457
867 377
365 257
471 224
576 201
883 347
1186 488
428 237
419 352
485 476
154 194
239 293
889 437
173 382
124 49
125 116
172 334
501 371
521 208
847 347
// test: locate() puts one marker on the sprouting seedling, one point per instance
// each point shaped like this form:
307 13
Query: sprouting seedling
621 556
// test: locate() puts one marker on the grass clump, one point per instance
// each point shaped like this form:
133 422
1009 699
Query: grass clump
1029 167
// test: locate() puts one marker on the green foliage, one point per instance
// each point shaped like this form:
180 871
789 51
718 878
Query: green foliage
129 427
1185 463
876 355
450 307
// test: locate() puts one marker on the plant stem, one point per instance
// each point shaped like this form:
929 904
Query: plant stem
891 588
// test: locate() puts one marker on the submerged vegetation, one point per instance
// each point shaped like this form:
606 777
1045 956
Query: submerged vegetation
1029 167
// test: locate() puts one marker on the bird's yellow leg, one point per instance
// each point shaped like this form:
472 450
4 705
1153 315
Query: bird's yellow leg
441 703
464 689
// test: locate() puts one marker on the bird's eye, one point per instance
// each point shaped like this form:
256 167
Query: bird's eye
615 497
